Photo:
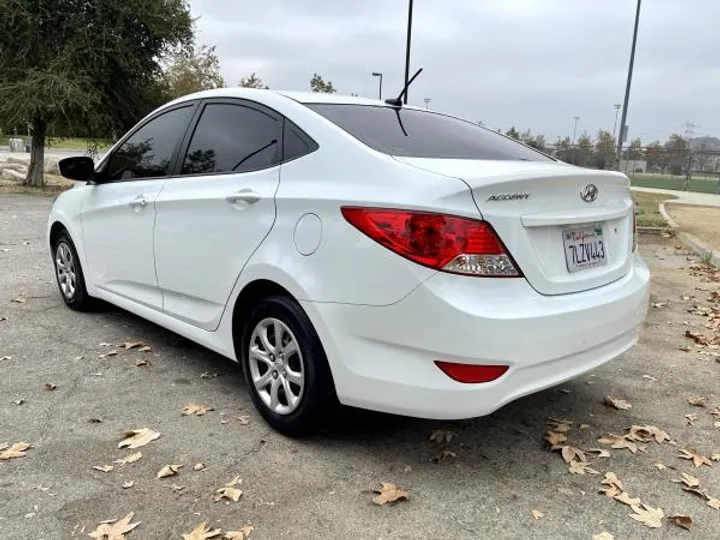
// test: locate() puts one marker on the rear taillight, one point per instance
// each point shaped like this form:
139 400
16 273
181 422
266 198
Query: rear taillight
448 243
471 373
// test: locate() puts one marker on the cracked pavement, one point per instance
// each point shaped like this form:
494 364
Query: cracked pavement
321 487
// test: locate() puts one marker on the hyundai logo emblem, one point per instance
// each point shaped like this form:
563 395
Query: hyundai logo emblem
589 193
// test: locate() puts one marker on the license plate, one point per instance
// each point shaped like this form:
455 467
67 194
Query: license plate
584 248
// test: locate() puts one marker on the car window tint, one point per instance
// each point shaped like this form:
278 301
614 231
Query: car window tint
148 152
232 138
295 146
417 133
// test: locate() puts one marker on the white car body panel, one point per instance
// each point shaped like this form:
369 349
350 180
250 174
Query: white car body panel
382 319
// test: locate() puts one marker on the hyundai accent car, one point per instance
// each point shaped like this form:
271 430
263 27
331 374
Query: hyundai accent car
357 252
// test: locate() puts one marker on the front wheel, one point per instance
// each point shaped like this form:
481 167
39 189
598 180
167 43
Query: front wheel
69 274
286 369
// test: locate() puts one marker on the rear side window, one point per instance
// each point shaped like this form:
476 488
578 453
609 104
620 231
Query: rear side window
232 138
148 151
295 143
424 134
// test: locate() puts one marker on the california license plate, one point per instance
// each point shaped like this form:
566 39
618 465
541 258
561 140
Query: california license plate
584 248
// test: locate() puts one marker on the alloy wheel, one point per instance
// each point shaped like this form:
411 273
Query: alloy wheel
65 268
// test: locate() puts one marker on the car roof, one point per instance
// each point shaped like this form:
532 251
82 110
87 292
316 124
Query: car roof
301 97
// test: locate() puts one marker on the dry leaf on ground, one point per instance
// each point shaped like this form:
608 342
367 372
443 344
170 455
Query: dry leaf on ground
108 354
560 426
660 466
614 486
693 455
49 387
715 413
137 438
442 435
619 404
199 467
658 305
689 481
103 468
389 493
697 338
17 450
647 433
581 467
603 536
681 521
243 534
197 410
601 452
128 484
145 348
168 470
132 344
443 455
715 457
627 499
202 531
618 442
537 514
132 458
691 419
555 439
114 529
648 516
714 503
18 300
697 402
244 420
570 453
229 493
141 363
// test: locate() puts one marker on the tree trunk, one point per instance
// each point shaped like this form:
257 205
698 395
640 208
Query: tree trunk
35 176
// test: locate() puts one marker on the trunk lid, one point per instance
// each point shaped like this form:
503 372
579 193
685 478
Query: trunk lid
539 213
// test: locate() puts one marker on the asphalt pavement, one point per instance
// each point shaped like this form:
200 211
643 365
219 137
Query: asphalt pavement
490 476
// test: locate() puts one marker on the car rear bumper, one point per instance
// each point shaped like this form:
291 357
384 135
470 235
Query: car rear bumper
382 358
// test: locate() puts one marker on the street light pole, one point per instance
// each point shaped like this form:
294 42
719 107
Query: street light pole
576 118
617 106
627 87
378 74
407 48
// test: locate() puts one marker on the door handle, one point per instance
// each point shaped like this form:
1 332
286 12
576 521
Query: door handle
138 202
244 195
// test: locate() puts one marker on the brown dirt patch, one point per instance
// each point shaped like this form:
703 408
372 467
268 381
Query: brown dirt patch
702 221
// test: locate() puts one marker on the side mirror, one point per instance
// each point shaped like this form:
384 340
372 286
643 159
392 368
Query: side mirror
80 168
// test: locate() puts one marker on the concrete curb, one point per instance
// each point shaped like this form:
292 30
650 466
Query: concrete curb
690 241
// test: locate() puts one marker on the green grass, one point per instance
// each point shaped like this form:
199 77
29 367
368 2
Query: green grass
646 207
666 181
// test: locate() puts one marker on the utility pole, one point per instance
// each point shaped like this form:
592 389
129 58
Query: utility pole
407 48
689 126
427 101
617 106
576 118
380 75
623 127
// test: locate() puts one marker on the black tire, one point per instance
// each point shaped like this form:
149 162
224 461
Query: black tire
77 297
318 402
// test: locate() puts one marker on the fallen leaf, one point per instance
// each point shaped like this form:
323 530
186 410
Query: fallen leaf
137 438
601 452
95 420
689 481
3 358
18 300
49 387
697 338
618 442
627 499
224 421
103 468
168 470
581 467
177 489
132 344
555 439
650 378
18 401
681 521
647 433
140 363
570 453
584 426
697 402
560 426
128 484
243 534
660 466
658 305
619 404
114 529
442 435
389 493
714 503
193 408
691 419
715 457
244 420
603 536
693 455
199 467
17 450
697 491
684 348
648 516
614 486
132 458
537 514
715 413
443 455
234 482
108 354
202 531
230 493
145 348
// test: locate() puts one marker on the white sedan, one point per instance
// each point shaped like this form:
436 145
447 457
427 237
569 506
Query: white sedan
354 251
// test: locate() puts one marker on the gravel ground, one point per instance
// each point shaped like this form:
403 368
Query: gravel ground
499 472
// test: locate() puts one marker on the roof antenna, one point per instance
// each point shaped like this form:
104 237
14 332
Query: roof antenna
397 102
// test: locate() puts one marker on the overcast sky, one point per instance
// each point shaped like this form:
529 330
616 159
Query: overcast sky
528 63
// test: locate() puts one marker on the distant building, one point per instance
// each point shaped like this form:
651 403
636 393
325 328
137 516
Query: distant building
629 166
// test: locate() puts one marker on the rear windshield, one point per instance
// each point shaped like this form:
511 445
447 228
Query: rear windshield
424 134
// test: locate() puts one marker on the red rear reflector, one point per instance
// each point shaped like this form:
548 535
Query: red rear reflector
469 373
450 243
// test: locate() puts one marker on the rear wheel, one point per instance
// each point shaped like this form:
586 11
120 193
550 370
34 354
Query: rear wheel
286 369
69 274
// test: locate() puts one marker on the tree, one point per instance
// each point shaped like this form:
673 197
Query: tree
253 81
676 149
583 153
514 133
188 70
91 66
634 150
534 141
656 156
317 84
563 149
604 149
